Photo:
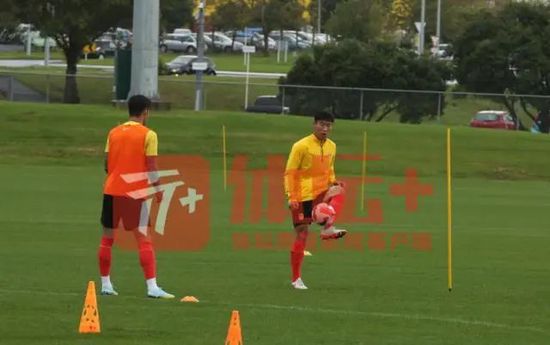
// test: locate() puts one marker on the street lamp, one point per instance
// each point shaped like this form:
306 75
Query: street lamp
319 16
438 30
51 11
422 28
200 52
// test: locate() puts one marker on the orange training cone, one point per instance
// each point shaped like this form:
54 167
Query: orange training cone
234 336
89 321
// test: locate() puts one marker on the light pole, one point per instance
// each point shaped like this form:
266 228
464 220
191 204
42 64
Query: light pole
438 30
51 10
200 51
319 3
145 49
422 28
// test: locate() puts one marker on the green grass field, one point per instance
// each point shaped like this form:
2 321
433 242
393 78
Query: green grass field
51 165
96 87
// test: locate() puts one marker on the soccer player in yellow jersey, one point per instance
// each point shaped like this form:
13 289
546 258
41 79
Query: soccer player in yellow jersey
131 149
310 180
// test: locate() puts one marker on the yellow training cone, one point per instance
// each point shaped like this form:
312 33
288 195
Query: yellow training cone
191 299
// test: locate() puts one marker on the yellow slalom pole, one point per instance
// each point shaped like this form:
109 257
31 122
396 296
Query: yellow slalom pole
449 213
224 149
363 170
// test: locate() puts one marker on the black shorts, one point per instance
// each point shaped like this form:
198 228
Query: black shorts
303 214
121 211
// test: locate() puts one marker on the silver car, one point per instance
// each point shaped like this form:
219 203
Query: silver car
178 43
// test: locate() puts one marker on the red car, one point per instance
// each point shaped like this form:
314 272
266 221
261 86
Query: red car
493 119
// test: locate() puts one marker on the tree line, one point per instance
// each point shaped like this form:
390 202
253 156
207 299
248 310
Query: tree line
498 49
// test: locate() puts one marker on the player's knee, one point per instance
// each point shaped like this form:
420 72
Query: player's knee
108 232
334 191
301 228
337 190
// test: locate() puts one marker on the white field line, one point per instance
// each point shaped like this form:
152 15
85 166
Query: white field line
414 317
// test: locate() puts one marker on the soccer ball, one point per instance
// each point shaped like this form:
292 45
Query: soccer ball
322 213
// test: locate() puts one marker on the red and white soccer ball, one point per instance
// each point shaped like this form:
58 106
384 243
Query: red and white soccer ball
323 213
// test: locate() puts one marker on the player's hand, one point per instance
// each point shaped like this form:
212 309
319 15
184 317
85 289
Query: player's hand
294 205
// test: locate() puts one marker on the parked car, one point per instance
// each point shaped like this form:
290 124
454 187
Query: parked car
224 43
99 49
183 64
221 42
445 51
182 31
257 39
268 104
493 119
291 40
178 43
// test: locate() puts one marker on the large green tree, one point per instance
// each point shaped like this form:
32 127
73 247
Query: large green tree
175 14
231 15
400 14
507 52
354 64
8 20
276 15
357 19
455 14
73 24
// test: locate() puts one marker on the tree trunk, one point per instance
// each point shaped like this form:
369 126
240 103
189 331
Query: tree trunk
385 113
266 43
213 39
71 87
511 106
265 30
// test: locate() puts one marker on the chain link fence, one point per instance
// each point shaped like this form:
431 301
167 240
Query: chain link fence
267 96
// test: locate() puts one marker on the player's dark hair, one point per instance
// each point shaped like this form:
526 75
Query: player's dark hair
137 105
323 116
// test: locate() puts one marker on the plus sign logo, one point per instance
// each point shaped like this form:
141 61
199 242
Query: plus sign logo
411 189
174 207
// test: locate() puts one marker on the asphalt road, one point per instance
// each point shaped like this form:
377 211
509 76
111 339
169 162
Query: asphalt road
11 48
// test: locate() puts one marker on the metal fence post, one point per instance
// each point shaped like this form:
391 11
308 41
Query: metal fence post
361 105
204 92
47 88
439 107
283 101
10 88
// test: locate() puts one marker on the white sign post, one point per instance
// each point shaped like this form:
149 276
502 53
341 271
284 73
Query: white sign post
247 50
46 51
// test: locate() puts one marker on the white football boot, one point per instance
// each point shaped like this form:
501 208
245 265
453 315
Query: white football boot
159 293
108 290
331 233
299 284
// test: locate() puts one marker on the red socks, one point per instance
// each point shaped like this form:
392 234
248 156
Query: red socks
104 256
147 259
297 254
336 202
